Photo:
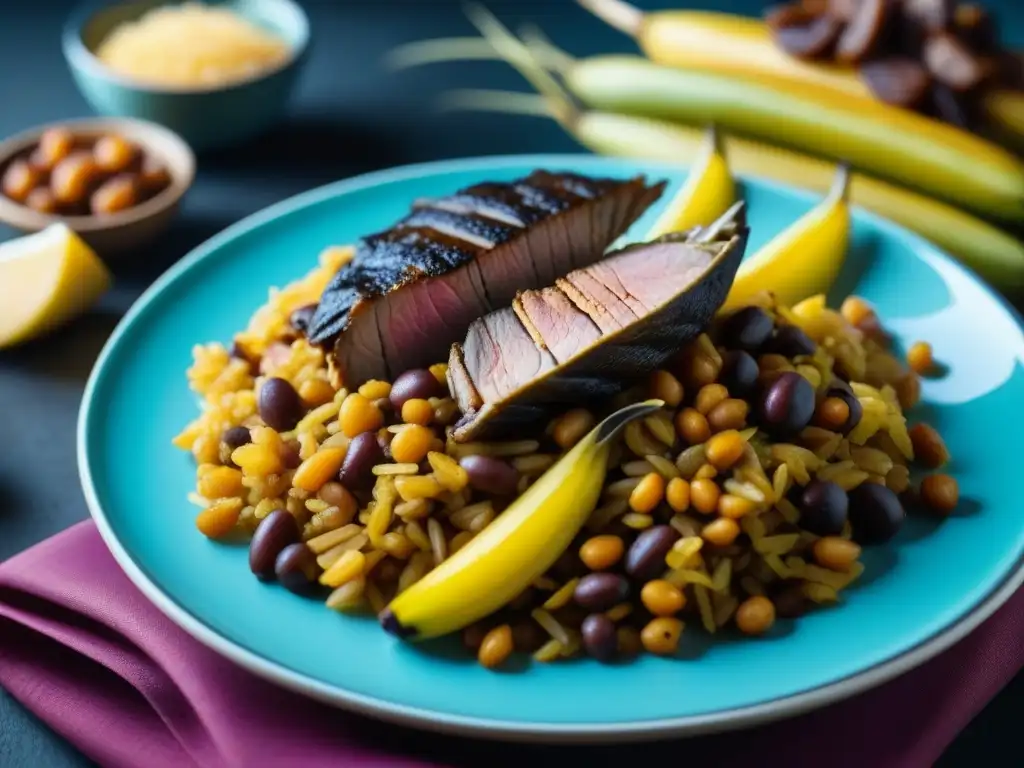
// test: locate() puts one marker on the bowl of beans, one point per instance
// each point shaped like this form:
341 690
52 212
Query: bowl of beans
116 182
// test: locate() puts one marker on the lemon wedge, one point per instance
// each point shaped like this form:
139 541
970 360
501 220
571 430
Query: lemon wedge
46 279
708 192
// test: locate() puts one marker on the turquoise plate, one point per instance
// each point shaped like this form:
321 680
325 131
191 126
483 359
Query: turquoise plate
935 583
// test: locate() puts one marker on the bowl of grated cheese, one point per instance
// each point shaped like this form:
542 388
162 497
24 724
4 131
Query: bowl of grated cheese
217 72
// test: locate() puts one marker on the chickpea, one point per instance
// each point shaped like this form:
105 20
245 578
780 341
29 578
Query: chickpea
72 177
929 447
734 507
677 494
661 635
706 471
601 552
315 392
648 494
665 386
756 615
570 428
41 199
113 154
412 444
704 494
19 180
703 370
692 426
725 449
153 175
919 357
731 413
709 396
375 390
721 532
359 415
856 311
662 598
117 194
417 411
941 493
496 647
835 553
832 414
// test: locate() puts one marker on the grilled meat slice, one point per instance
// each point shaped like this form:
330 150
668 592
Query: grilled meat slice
411 291
594 333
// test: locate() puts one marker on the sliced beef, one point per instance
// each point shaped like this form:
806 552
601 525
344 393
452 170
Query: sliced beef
413 290
595 332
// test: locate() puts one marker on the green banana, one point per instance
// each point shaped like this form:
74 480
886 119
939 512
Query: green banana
520 545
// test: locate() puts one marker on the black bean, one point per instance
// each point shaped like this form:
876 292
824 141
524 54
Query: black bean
790 602
415 384
357 469
748 329
275 532
786 405
236 437
790 341
645 558
302 318
823 508
601 591
296 568
876 513
239 353
600 639
279 404
739 373
491 475
290 455
527 636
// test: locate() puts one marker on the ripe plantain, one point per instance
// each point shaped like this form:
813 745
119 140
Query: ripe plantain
743 47
520 545
707 194
804 259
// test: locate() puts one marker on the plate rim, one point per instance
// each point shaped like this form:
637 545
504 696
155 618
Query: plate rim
495 728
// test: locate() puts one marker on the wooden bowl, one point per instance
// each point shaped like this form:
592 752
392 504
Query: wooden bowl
115 233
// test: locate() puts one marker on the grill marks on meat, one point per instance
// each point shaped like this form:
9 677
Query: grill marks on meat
592 334
414 289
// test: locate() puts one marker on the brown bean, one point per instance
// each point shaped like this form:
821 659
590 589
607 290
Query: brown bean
72 177
54 145
490 475
599 637
601 591
296 568
41 199
645 559
153 175
113 153
117 194
275 532
418 383
279 404
19 180
364 451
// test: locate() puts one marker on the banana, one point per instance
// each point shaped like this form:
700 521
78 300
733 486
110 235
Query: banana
804 259
707 194
908 148
743 47
520 545
995 255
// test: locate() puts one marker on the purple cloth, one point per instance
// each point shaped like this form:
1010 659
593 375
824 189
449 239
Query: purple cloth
86 652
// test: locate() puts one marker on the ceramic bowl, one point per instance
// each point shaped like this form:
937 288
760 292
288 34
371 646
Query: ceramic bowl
207 118
125 230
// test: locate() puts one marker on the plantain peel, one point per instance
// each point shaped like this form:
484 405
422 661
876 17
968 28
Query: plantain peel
520 545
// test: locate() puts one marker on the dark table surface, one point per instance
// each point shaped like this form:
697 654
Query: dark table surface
349 116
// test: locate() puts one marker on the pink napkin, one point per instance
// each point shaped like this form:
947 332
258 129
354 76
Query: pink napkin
85 651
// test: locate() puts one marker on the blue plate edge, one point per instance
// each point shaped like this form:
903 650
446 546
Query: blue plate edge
951 632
